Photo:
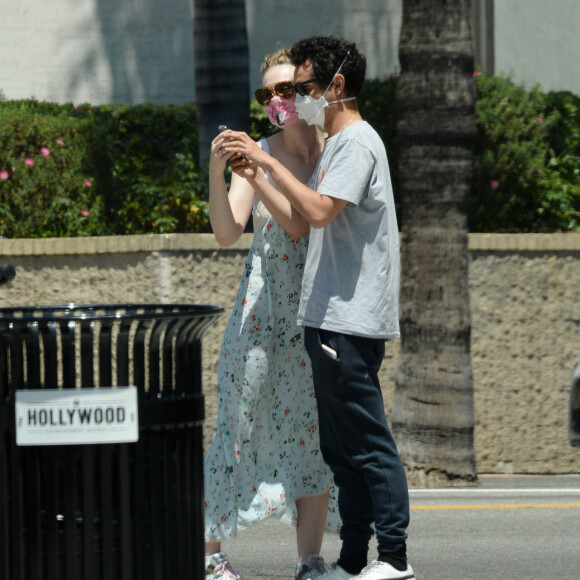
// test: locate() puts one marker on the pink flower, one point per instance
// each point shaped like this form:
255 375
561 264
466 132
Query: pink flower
4 174
45 152
494 184
477 73
540 120
85 212
88 183
29 161
60 142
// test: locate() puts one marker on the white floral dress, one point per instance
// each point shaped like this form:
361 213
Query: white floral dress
266 452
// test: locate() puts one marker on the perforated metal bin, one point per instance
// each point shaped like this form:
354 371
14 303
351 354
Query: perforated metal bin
130 511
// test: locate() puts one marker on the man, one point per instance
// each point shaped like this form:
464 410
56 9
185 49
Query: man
349 302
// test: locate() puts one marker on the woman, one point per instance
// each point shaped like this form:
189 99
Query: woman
265 458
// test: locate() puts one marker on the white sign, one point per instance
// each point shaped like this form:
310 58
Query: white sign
76 416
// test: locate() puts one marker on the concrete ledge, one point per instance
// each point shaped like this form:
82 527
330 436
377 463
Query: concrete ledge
118 245
569 242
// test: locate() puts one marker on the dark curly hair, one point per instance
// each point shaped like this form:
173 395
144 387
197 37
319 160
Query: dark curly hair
326 54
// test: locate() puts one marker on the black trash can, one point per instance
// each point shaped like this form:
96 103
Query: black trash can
117 510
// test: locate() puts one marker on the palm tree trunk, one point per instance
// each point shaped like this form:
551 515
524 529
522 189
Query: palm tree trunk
221 69
432 414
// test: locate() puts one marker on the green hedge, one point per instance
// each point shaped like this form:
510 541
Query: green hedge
526 159
78 171
49 162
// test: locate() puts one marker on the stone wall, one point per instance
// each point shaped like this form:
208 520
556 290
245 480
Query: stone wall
525 306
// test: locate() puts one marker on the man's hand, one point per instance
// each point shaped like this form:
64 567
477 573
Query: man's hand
242 167
242 144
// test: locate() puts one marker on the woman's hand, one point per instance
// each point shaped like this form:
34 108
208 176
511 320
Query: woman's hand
219 156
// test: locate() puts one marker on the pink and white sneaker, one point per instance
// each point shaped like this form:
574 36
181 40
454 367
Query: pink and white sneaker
218 567
312 568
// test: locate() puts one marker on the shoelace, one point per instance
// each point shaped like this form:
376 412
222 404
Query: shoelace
226 571
316 564
329 570
369 570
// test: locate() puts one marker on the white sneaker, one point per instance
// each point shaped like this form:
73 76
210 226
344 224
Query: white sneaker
335 572
382 571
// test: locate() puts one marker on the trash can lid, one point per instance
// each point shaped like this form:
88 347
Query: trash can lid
75 311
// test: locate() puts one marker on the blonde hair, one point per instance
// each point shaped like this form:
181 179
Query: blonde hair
281 56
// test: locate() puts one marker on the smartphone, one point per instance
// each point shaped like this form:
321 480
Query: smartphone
221 129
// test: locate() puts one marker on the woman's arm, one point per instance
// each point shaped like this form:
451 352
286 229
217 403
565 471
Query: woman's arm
228 211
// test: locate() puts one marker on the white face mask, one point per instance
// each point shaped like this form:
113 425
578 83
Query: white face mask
311 109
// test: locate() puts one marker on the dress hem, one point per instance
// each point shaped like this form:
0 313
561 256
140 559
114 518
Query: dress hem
277 513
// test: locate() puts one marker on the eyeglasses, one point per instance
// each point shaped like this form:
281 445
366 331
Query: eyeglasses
285 89
300 87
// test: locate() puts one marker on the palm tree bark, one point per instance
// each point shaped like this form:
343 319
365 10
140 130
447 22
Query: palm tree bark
432 415
222 82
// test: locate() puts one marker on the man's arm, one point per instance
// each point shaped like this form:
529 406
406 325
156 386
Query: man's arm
319 210
293 222
226 208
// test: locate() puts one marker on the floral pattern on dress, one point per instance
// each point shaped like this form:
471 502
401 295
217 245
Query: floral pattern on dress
266 452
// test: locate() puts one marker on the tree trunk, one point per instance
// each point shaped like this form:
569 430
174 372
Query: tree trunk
432 414
222 82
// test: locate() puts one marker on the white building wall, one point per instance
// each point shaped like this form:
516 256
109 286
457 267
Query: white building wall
538 41
97 51
132 51
373 24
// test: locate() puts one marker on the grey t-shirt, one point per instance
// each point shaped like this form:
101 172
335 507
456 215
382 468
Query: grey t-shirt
352 271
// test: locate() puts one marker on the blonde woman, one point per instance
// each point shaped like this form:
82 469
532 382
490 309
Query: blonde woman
265 458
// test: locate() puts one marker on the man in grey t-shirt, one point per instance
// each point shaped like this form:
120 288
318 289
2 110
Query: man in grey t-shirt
349 302
358 251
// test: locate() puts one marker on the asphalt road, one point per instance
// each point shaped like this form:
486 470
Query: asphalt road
517 528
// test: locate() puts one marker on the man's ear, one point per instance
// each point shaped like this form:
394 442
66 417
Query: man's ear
339 83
